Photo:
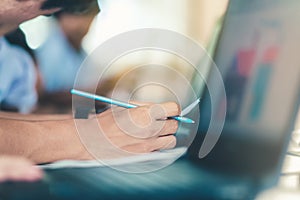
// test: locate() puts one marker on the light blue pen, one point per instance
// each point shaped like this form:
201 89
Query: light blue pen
122 104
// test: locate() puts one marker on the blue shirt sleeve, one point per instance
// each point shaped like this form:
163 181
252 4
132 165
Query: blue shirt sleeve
17 78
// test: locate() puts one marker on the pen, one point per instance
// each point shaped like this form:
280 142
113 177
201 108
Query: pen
122 104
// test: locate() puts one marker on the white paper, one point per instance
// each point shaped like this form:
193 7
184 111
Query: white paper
161 156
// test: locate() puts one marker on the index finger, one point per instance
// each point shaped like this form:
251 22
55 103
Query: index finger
164 110
139 103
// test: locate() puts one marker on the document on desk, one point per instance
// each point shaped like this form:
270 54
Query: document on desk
160 157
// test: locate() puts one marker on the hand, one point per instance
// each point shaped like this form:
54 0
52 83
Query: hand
143 129
14 168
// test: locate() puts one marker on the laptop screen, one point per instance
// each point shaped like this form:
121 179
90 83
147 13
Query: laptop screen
257 56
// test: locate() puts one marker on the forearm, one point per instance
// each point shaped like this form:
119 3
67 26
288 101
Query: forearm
34 117
44 140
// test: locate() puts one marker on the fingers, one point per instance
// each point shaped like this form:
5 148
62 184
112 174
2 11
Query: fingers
167 142
147 146
164 110
140 103
154 112
169 128
142 129
141 122
151 119
161 111
18 169
145 122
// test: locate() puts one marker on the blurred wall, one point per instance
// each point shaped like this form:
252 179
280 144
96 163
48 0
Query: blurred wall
202 17
193 18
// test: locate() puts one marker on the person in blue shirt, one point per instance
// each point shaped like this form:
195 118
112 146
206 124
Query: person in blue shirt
12 78
48 138
62 51
17 79
60 57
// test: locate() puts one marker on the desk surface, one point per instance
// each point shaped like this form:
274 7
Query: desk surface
93 183
191 183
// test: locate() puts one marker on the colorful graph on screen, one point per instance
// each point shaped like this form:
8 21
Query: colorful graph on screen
249 64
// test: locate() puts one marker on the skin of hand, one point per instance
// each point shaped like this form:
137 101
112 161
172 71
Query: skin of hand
136 130
49 138
143 129
14 12
13 168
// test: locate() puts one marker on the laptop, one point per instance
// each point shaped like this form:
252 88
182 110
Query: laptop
257 57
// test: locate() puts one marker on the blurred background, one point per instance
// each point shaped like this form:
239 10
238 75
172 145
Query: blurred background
194 18
60 44
65 40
